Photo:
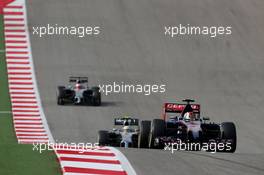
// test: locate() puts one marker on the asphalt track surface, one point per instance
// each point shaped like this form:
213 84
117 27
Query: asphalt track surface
224 74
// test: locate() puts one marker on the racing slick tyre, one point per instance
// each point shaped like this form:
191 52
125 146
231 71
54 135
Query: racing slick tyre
60 95
61 90
143 136
103 138
229 133
60 101
96 101
157 130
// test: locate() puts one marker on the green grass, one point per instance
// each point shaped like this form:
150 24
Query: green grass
18 159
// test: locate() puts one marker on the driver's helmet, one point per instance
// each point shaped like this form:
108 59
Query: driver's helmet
78 86
126 128
189 116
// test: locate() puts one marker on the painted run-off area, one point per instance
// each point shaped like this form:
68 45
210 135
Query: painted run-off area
18 158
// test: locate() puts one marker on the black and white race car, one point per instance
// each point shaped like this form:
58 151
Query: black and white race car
127 132
78 92
181 123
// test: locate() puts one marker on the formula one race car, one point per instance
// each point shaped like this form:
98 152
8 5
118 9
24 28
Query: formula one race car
78 92
127 132
188 127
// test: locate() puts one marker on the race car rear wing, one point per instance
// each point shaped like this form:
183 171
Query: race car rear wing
127 121
78 79
178 108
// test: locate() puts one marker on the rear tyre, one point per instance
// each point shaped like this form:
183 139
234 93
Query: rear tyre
96 99
61 93
143 137
60 101
103 138
229 133
157 130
